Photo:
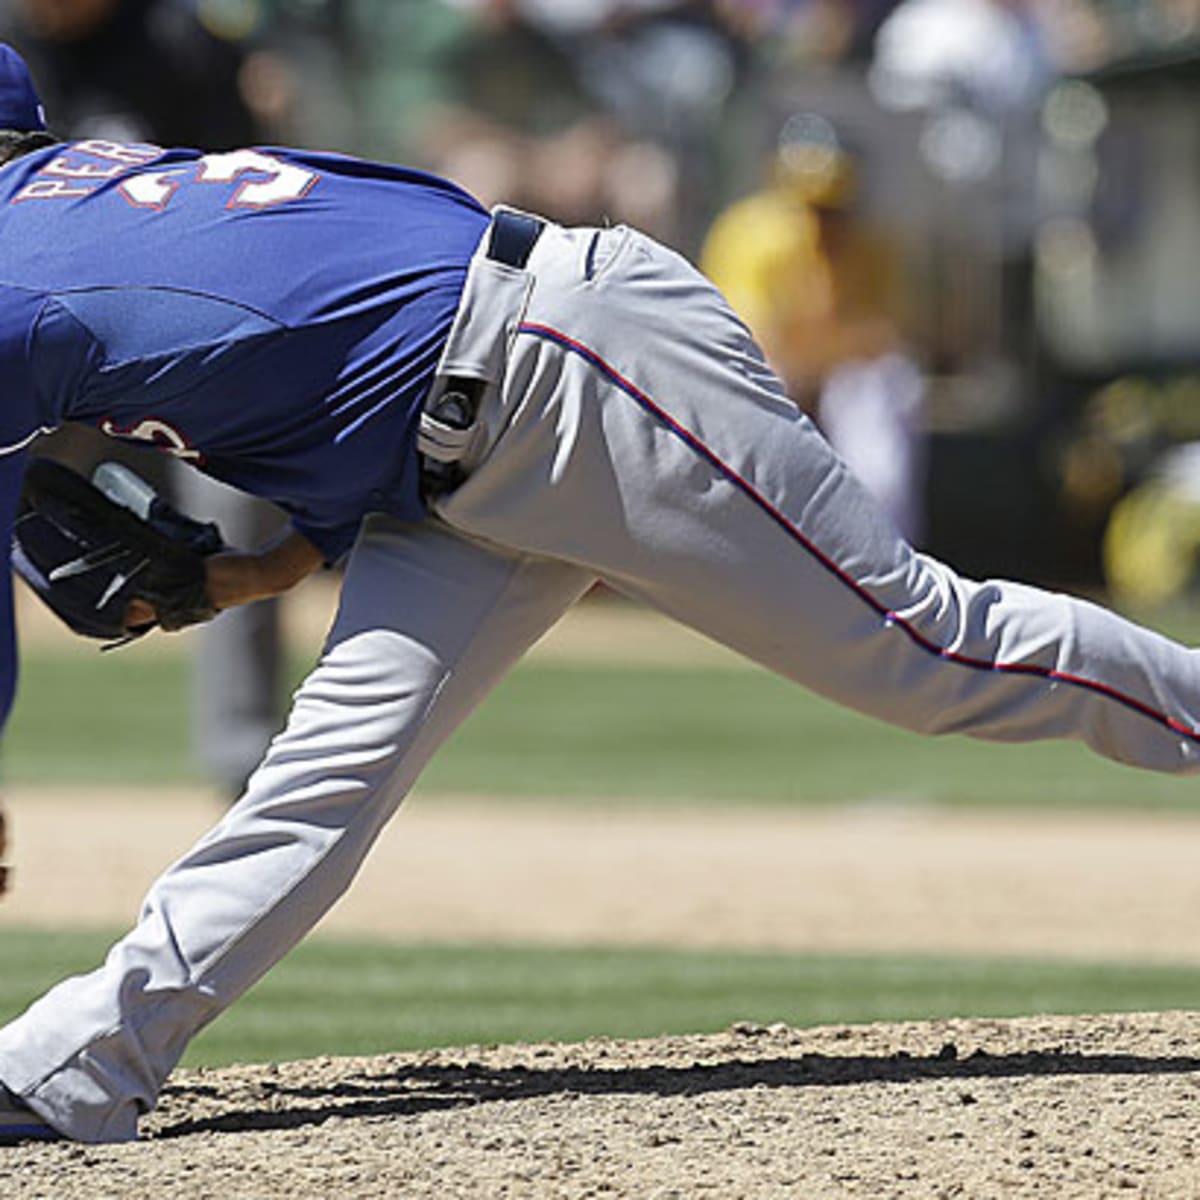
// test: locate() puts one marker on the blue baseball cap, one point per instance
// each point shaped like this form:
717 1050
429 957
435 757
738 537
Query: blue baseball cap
20 108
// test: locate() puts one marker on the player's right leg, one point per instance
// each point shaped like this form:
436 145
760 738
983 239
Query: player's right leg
646 438
429 621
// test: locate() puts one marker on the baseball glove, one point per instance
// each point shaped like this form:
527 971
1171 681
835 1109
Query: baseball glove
89 548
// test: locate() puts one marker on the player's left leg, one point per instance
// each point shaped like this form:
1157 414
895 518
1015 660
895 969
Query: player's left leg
646 438
429 621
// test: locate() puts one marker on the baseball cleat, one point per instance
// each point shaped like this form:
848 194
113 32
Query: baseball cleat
19 1123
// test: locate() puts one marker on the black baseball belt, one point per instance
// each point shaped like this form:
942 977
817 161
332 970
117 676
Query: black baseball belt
511 238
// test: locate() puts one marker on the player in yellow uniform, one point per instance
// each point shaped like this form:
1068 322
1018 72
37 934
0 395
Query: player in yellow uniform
820 288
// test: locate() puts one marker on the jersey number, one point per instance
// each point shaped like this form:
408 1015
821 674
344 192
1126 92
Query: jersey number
274 182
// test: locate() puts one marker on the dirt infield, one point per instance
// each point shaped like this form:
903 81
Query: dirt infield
1085 886
1072 1108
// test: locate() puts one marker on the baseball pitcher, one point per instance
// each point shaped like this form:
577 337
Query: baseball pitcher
483 414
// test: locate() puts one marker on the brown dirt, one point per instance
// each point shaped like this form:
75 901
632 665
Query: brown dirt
1071 1108
1081 885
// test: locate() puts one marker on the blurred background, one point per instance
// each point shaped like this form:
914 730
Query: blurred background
965 233
981 211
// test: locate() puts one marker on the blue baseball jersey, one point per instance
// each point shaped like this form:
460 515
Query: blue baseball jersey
272 316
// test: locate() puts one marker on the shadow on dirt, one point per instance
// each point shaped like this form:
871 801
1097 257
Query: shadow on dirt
275 1104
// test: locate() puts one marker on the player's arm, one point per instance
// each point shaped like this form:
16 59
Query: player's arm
239 578
112 559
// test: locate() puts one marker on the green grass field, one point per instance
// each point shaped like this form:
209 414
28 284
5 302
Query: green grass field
363 998
572 732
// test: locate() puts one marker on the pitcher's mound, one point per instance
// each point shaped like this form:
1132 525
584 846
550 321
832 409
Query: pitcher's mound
1062 1106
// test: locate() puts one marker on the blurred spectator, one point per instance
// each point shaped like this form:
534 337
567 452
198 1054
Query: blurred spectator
1151 544
588 111
516 125
799 32
820 288
133 70
991 55
668 73
298 75
148 70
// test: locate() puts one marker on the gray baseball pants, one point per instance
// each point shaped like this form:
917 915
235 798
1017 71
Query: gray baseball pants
632 434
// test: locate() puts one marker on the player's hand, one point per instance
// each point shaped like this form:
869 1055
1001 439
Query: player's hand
233 579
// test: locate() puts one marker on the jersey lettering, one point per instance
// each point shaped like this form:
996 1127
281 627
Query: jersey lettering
71 174
53 189
153 189
64 168
160 433
283 182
